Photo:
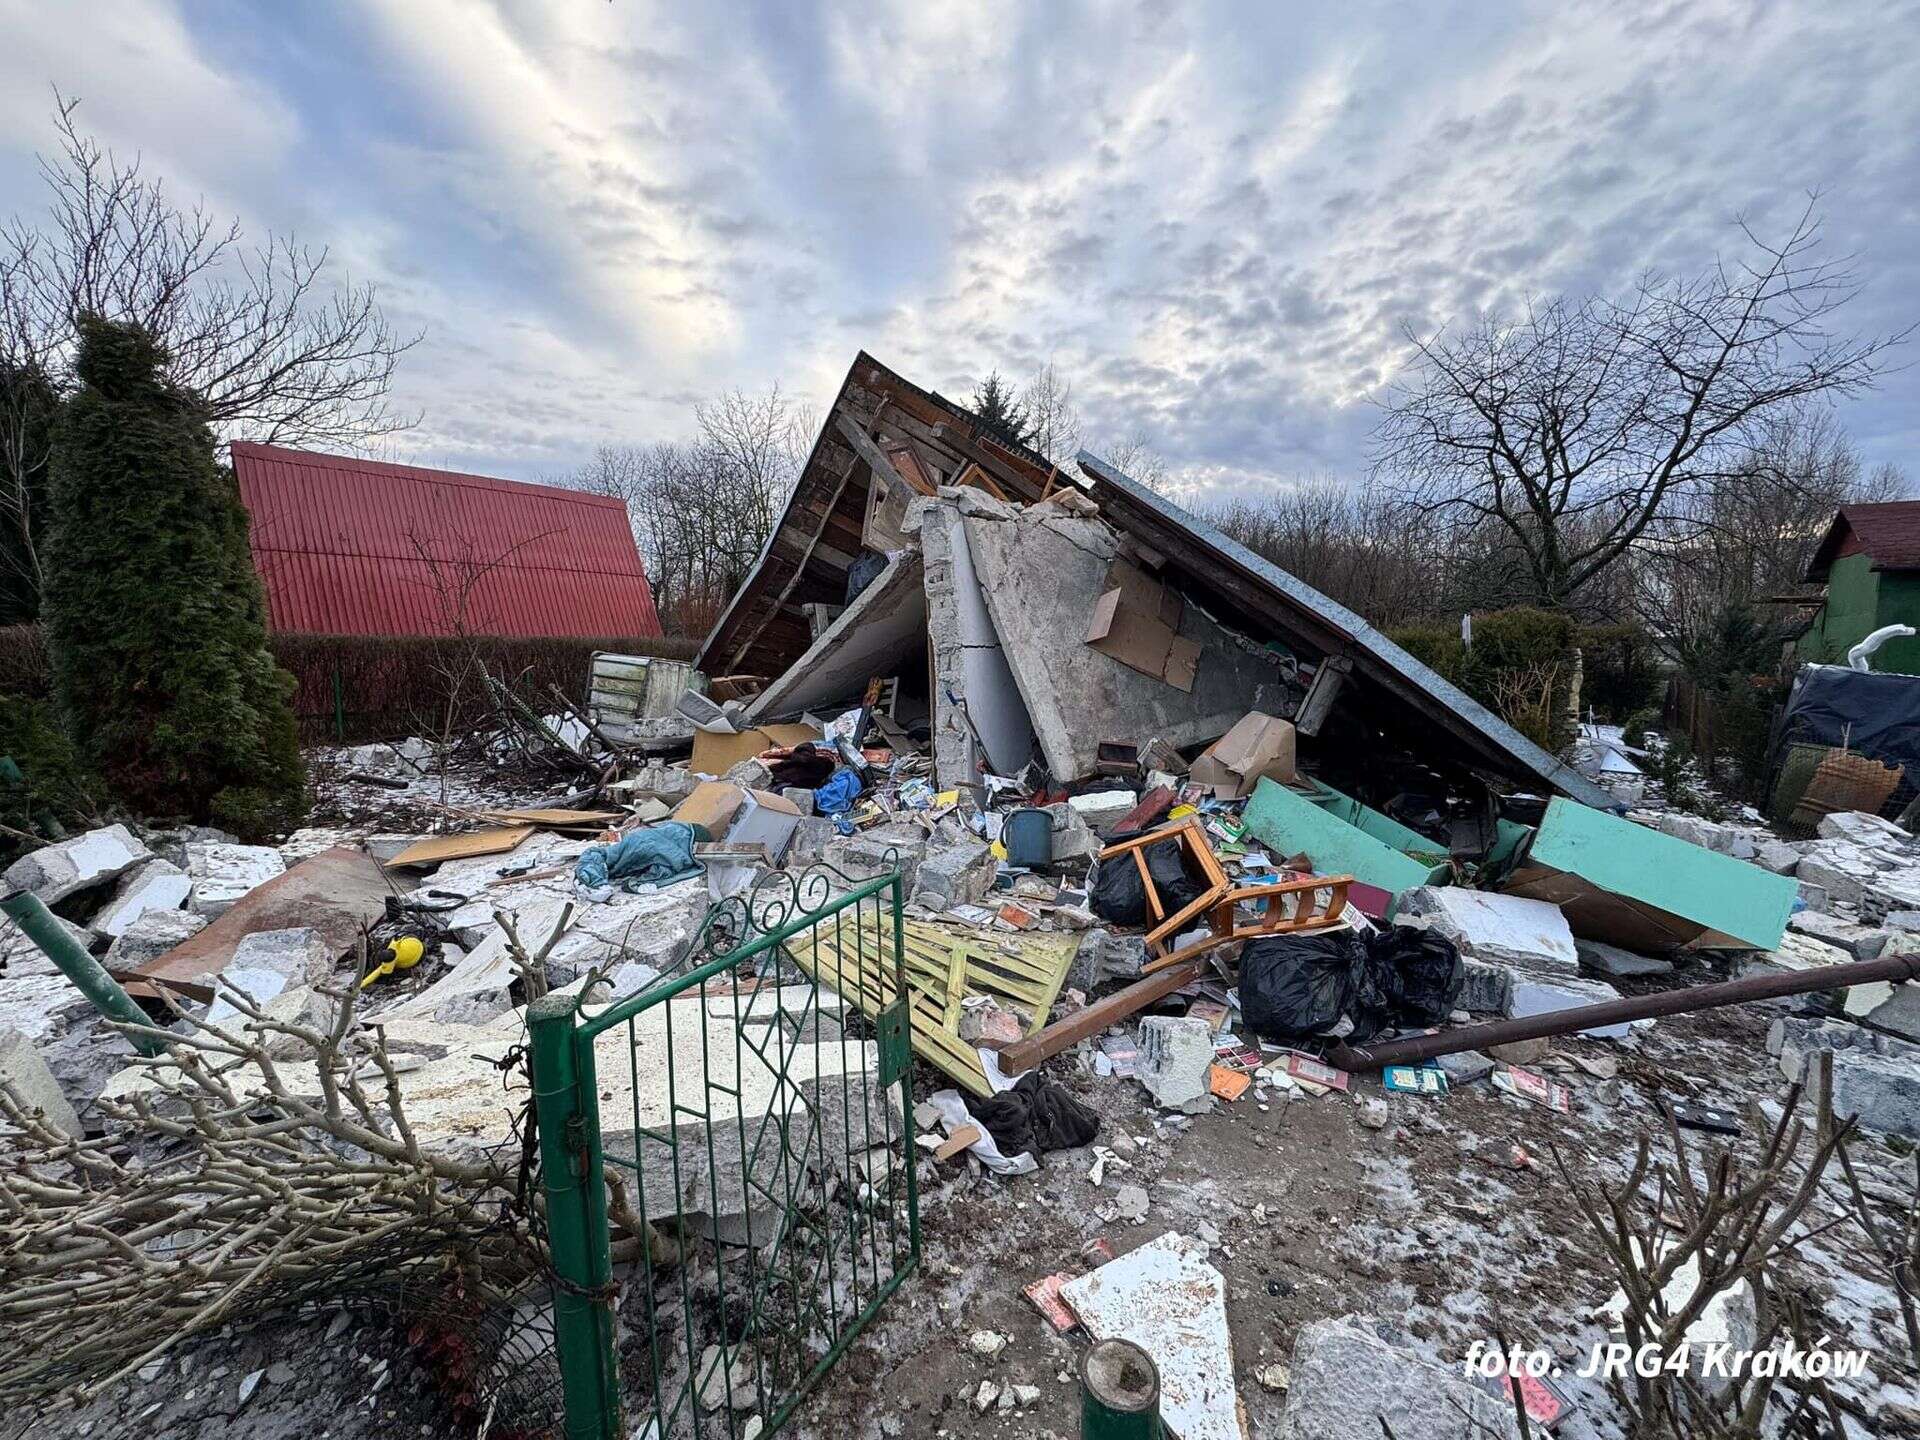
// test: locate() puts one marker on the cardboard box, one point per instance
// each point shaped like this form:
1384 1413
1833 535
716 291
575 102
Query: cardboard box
1258 746
715 754
711 806
767 820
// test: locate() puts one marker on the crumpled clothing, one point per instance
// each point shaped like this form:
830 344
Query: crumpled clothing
657 855
1035 1116
838 794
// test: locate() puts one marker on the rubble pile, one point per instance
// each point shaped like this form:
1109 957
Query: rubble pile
1164 867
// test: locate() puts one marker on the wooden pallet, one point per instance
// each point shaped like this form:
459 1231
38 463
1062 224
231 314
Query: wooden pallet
944 967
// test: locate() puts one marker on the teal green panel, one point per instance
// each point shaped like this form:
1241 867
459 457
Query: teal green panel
1716 891
1287 823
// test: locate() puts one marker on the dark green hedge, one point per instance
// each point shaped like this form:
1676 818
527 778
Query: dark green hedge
1519 666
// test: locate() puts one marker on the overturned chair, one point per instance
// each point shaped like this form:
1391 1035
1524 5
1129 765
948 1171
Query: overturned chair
1291 907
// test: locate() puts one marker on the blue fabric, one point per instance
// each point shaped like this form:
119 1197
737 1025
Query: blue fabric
657 855
838 793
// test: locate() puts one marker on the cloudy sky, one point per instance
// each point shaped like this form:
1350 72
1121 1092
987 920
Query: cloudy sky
1216 219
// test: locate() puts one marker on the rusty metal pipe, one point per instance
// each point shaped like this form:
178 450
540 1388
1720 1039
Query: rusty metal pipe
1416 1048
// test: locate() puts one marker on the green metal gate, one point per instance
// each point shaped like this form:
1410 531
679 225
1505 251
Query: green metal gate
750 1132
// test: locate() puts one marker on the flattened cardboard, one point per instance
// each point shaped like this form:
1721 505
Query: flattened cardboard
1258 746
441 848
717 754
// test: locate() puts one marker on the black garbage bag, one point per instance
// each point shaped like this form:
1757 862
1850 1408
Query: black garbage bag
1294 987
1421 973
1037 1115
1119 898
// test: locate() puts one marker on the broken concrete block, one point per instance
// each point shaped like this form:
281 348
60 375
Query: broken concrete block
1488 989
41 1006
153 885
269 963
1498 929
958 875
985 1021
1103 809
878 852
1875 1077
1798 951
1861 942
1348 1373
1073 838
1615 963
1859 828
54 872
1176 1053
25 1072
1814 897
1779 856
1883 1005
1891 891
749 775
1532 996
799 797
1103 956
1522 1052
1839 867
223 874
149 937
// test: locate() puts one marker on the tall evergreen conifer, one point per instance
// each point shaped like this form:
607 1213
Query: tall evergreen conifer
155 617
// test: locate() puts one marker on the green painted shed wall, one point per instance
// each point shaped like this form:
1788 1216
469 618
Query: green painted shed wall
1859 601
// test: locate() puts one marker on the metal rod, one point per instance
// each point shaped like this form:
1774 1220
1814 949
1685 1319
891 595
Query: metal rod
1614 1012
25 909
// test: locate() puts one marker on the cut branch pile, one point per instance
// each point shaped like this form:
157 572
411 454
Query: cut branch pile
261 1165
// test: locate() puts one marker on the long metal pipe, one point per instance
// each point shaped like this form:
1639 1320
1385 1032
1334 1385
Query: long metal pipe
1416 1048
27 911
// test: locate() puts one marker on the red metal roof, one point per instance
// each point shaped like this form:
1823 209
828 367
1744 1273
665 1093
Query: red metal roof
357 547
1889 532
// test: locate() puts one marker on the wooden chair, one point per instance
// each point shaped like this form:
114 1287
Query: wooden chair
1317 900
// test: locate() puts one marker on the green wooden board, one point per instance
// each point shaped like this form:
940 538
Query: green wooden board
1700 895
1287 823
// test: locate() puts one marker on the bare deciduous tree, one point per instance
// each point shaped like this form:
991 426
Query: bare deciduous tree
1577 427
275 349
1050 412
702 508
1134 457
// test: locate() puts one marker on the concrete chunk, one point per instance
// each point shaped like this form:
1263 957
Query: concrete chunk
957 875
1861 942
149 937
153 885
222 874
1840 868
1488 989
1348 1373
269 963
1175 1055
1615 963
1499 929
1103 810
1860 828
1875 1077
57 871
25 1072
1532 996
19 956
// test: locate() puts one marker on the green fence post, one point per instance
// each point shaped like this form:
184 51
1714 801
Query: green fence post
25 909
571 1176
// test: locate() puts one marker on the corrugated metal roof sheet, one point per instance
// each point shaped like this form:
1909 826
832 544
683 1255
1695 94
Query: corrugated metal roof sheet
358 547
